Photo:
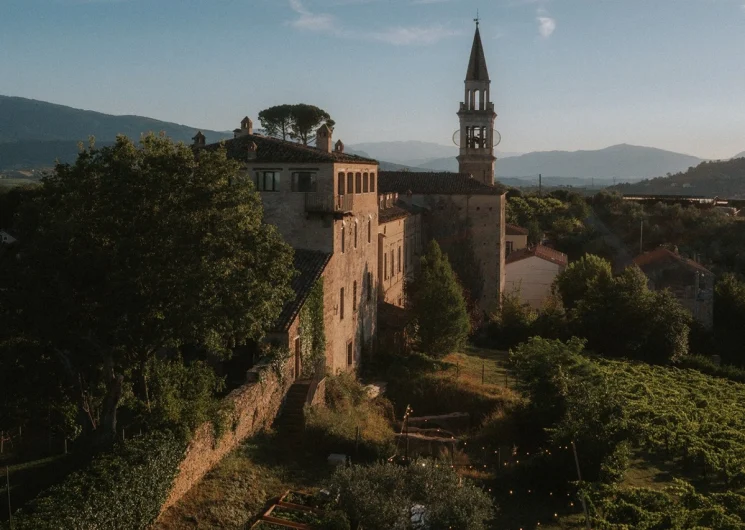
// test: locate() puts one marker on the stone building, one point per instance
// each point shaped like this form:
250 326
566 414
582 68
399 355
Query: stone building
321 199
689 281
530 273
467 218
399 247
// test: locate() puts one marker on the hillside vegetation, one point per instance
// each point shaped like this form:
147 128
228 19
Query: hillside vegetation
724 178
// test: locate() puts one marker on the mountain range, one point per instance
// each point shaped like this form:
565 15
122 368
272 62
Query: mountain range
35 133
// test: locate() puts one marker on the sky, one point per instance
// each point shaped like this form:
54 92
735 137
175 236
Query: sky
566 74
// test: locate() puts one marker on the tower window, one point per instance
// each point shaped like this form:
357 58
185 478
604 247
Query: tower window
350 353
365 179
350 183
341 303
369 286
340 184
369 230
372 182
354 296
358 182
355 234
343 237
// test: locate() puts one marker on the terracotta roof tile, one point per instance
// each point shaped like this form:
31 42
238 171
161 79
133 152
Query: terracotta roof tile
662 257
274 150
310 264
399 210
539 251
514 230
434 183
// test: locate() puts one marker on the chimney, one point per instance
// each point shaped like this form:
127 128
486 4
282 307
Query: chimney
199 139
339 146
247 126
253 150
323 138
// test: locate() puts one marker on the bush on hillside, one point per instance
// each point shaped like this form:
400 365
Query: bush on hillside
121 490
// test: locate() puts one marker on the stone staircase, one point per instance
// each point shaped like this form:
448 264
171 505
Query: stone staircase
291 420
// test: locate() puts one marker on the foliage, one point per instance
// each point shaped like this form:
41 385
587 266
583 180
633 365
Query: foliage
580 276
512 323
380 497
729 315
691 421
334 428
122 490
134 252
707 366
313 332
438 305
295 121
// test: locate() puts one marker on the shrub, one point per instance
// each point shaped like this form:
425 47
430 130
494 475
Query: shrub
121 490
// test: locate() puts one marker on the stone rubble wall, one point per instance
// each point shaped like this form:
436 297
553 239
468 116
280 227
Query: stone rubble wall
250 408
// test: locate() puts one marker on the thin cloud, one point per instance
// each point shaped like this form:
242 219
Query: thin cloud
398 35
546 26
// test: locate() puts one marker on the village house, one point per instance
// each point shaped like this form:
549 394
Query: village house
515 238
531 272
689 281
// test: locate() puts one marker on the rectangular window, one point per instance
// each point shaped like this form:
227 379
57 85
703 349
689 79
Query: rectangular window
340 184
372 182
385 267
354 296
365 181
350 183
343 238
350 353
369 286
267 180
341 303
399 259
358 182
303 181
369 230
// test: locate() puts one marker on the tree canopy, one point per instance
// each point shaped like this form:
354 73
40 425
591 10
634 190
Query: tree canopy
438 305
133 252
298 122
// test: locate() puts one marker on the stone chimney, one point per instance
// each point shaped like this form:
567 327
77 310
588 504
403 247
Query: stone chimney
199 139
323 138
339 146
247 126
253 150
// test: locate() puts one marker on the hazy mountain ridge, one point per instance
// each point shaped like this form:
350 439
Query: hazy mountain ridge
740 155
721 178
33 133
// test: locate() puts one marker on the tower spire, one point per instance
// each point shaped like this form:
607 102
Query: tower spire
477 64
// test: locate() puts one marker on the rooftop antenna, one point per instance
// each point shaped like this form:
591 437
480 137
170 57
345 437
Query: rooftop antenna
476 20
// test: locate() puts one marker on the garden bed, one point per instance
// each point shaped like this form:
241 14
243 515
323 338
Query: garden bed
294 509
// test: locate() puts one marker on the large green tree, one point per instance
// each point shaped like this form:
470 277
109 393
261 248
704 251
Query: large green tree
729 316
299 121
131 252
438 305
574 282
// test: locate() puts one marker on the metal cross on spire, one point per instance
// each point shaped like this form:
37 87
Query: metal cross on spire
476 20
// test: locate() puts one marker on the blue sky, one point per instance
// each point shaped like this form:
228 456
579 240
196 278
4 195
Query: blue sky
566 74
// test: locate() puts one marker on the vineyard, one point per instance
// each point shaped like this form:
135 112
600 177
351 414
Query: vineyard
687 423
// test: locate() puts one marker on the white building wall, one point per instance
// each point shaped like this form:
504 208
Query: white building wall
533 277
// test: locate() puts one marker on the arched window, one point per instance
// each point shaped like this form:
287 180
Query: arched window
369 230
365 179
372 182
343 237
340 184
350 183
358 182
477 99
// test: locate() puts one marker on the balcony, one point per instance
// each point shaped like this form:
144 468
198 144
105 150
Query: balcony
322 203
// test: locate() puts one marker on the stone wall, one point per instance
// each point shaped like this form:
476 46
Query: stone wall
251 408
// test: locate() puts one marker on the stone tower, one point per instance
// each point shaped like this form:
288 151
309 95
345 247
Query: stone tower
477 118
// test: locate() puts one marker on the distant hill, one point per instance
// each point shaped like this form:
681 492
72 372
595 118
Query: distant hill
409 153
723 178
33 133
740 155
618 161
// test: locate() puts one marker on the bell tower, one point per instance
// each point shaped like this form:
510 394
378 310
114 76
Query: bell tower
477 118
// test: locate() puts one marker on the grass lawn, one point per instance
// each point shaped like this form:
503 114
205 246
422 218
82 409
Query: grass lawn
238 489
478 362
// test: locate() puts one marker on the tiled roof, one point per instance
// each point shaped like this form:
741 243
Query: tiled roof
539 251
310 265
434 183
514 230
274 150
397 211
662 257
